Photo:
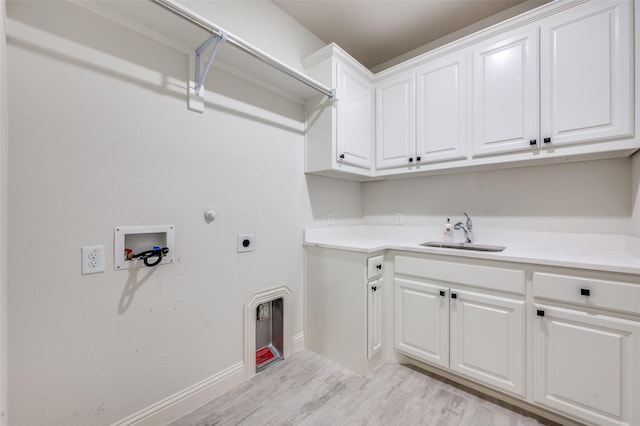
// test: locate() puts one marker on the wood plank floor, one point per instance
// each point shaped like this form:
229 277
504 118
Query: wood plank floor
308 389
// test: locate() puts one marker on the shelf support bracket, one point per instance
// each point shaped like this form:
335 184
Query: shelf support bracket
215 40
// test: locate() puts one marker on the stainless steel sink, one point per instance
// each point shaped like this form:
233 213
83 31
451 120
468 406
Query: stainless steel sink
463 246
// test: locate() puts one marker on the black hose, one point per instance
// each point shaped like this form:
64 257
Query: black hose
146 255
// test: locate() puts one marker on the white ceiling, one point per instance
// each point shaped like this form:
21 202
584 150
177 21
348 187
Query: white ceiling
376 31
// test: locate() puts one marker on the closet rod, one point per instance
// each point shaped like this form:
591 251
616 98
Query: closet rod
208 26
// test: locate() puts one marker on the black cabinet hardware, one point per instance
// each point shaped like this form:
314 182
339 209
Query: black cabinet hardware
540 312
342 156
442 293
533 142
378 267
454 296
547 140
417 158
411 159
585 292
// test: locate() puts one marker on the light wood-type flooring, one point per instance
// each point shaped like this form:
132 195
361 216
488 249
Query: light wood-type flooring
308 389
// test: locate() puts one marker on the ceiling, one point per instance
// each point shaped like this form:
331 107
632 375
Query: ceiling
376 31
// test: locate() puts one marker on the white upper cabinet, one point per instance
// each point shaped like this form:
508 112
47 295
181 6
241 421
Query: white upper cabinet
442 104
354 108
556 84
585 92
339 132
505 93
586 74
421 115
395 121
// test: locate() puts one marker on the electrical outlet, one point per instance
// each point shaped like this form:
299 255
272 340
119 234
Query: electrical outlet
92 259
245 243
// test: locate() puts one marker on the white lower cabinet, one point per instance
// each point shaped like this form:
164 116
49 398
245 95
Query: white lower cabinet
476 333
374 317
344 307
563 340
584 364
422 321
487 339
586 351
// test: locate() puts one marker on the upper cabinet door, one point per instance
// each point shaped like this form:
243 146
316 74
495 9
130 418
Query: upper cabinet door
355 117
506 93
395 121
586 73
442 104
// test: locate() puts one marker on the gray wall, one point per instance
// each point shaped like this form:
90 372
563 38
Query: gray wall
590 196
4 144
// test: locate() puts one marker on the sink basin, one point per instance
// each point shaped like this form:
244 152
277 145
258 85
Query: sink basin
463 246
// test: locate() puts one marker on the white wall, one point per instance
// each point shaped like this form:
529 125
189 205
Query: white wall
4 143
587 197
100 137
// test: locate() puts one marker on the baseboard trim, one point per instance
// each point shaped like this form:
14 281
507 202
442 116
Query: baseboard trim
298 343
187 400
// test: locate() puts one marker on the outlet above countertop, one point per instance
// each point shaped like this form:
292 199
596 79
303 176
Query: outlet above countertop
601 252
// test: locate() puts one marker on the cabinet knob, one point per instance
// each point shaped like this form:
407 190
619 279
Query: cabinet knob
547 140
418 158
374 287
585 292
342 156
411 159
540 312
533 142
454 296
442 293
378 267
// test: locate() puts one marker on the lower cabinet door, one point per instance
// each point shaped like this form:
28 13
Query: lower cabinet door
374 318
586 365
421 314
487 339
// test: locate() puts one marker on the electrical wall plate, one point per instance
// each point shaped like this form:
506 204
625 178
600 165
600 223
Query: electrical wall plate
92 259
245 243
139 239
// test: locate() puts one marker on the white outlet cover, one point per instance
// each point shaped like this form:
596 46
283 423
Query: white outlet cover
245 243
92 259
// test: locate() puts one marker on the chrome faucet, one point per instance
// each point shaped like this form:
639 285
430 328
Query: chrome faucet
468 230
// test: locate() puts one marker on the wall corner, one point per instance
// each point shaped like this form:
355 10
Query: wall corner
4 143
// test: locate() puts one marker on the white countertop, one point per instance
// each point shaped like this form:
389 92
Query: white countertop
602 252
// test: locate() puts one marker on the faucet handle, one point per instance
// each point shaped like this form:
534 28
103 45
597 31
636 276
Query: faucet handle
468 219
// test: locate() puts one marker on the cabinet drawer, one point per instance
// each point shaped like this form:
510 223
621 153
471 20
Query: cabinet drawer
375 266
588 292
493 278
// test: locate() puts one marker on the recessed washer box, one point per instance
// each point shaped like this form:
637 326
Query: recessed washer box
139 239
